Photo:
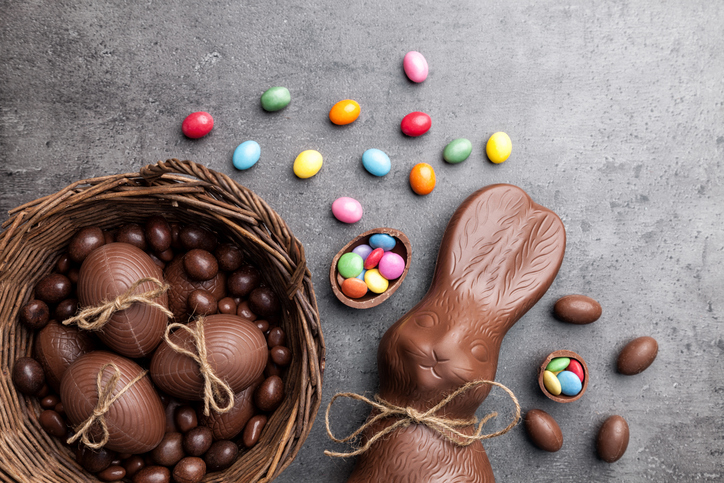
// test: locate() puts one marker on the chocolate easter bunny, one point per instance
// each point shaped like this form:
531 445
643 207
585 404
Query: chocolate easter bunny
500 253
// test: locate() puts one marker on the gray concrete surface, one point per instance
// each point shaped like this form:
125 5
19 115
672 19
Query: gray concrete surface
616 112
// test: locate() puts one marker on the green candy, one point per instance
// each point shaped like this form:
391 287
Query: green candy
457 151
350 265
558 364
275 98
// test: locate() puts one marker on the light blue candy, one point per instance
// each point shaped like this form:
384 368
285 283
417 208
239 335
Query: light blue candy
376 162
382 240
363 251
361 276
246 155
570 384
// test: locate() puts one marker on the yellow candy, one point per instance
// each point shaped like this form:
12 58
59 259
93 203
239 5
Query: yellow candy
498 147
307 164
376 282
551 382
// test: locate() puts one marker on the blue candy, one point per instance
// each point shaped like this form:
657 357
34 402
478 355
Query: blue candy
361 276
363 251
246 155
376 162
382 240
570 384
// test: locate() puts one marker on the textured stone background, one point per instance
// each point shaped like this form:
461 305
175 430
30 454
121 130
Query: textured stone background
616 112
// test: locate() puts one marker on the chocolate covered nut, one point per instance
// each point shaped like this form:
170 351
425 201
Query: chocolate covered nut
253 430
49 402
57 347
202 302
637 356
189 470
262 324
577 309
185 418
543 430
44 391
132 233
229 256
227 306
197 441
73 274
193 236
84 242
53 288
270 394
63 264
200 265
59 408
243 281
182 286
176 237
276 337
272 369
171 406
66 309
612 439
112 473
169 451
52 423
243 310
158 234
28 376
153 474
95 460
35 314
281 355
264 302
221 455
133 465
166 255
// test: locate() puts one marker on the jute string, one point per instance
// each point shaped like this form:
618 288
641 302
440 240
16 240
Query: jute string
105 399
443 426
94 318
214 387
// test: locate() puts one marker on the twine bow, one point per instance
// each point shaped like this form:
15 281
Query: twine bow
94 318
105 399
443 426
214 387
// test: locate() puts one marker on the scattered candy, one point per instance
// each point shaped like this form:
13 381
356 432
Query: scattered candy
422 179
570 383
391 265
376 162
350 265
275 99
354 288
344 112
383 240
551 382
197 125
499 147
374 258
415 66
363 250
415 124
637 356
612 440
347 210
457 151
307 164
577 309
246 155
543 430
376 282
558 364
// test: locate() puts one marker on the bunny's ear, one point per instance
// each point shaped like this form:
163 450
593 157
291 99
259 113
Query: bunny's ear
502 250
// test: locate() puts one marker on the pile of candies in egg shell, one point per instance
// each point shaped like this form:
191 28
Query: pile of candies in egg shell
370 267
563 376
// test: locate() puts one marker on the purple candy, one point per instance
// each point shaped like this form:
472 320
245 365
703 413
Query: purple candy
363 251
391 265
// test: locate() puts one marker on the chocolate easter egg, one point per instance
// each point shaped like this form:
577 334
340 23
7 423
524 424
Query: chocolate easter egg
135 421
228 425
237 353
108 272
182 286
57 347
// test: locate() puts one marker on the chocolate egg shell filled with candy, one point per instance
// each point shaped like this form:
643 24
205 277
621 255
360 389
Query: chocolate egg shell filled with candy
182 286
109 271
237 353
58 346
136 420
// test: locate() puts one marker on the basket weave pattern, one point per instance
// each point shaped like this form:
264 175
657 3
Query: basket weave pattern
37 234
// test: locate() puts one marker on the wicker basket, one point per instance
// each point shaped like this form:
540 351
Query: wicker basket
38 232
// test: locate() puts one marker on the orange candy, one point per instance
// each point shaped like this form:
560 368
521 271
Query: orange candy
422 179
354 288
344 112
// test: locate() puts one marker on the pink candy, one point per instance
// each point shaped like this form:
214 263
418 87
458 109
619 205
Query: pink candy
391 265
415 66
347 210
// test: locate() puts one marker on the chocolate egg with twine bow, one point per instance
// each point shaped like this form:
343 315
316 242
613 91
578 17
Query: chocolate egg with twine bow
123 298
210 359
111 403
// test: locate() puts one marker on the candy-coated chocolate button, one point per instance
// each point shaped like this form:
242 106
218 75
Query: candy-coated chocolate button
362 250
354 288
361 275
376 282
344 112
376 162
383 240
373 258
415 124
350 265
422 179
347 210
551 382
570 383
415 66
499 147
576 368
457 151
558 364
197 125
391 265
246 155
275 99
307 164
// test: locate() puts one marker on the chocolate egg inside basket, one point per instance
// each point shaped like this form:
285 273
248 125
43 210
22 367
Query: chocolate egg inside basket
37 234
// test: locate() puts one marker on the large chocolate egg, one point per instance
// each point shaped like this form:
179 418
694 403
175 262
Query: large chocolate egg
237 353
57 347
228 425
136 420
109 271
182 286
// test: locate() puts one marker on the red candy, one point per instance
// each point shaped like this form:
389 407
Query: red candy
374 258
576 368
416 124
197 125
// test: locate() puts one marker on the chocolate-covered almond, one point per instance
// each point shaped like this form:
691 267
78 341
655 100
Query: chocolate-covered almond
35 314
133 465
84 242
57 347
185 417
197 441
229 425
270 394
169 451
264 302
200 265
133 234
577 309
28 376
112 473
229 256
166 255
227 306
253 430
109 272
182 286
637 356
194 236
263 325
244 280
243 311
49 402
66 309
158 233
543 430
281 355
221 455
189 470
63 264
95 460
201 302
52 423
53 288
135 421
612 439
153 474
276 337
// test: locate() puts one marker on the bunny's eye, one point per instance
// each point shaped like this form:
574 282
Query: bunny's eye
480 352
426 319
